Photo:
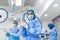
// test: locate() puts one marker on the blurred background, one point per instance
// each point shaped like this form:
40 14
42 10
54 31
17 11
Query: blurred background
46 10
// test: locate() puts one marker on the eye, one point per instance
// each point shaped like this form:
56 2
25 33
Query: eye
14 23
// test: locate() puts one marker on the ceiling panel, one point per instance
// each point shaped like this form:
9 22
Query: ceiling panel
30 2
4 3
52 11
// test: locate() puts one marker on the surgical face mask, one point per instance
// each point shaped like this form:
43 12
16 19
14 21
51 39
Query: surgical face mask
30 17
15 25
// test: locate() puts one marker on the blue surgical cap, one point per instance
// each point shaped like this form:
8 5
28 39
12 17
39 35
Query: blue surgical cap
51 25
15 21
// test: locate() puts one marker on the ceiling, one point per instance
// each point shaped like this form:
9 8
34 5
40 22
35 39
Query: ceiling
52 11
30 2
4 3
45 7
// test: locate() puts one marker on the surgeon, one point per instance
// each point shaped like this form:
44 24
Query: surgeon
34 26
53 31
13 31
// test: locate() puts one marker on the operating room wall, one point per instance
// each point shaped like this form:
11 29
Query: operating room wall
8 23
45 25
4 26
57 24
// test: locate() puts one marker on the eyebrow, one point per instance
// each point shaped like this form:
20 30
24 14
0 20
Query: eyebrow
30 13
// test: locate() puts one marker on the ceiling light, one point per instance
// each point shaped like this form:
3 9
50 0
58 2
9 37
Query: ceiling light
46 15
18 2
55 5
41 1
14 18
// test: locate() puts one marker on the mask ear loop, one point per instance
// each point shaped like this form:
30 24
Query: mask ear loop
37 18
25 15
25 18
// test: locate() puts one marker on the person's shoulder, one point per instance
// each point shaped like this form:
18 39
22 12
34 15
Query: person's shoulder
36 20
11 28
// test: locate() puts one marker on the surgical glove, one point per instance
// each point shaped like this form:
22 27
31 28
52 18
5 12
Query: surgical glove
7 34
32 34
15 36
23 31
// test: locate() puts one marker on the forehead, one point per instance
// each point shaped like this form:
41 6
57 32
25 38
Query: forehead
30 13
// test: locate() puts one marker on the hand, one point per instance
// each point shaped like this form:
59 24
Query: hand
24 24
7 34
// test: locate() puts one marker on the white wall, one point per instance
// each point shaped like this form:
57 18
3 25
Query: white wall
44 25
57 24
4 26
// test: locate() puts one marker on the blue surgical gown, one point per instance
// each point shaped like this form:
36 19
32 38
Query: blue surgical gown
33 30
53 34
13 36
